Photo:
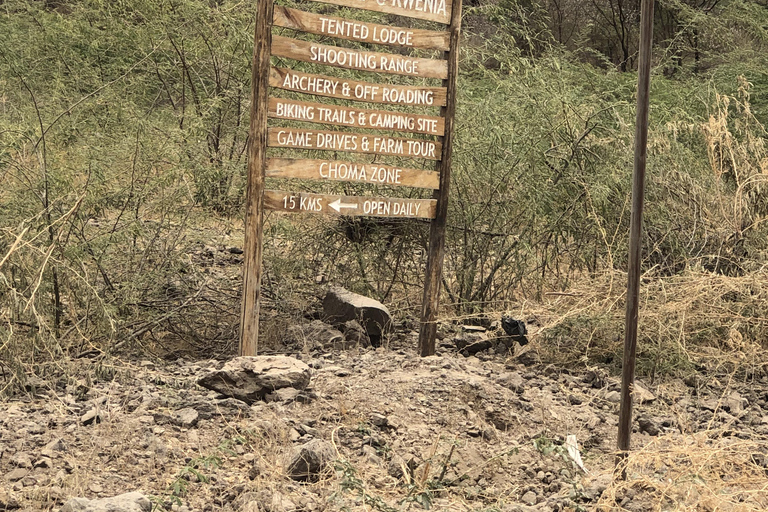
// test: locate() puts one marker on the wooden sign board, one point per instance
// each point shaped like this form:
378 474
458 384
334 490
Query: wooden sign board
356 172
359 31
349 205
347 58
432 10
432 142
330 87
323 113
353 143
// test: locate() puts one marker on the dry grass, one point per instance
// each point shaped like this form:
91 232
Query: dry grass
706 471
695 321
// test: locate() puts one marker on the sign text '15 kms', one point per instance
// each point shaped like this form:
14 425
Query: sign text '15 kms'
349 205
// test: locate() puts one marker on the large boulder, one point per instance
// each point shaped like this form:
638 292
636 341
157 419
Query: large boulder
341 306
251 378
129 502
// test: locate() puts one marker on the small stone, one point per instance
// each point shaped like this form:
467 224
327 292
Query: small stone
340 306
186 417
285 395
52 449
529 498
8 501
613 397
95 488
43 462
129 502
395 467
641 395
528 356
22 460
311 459
379 420
648 426
91 417
16 474
371 454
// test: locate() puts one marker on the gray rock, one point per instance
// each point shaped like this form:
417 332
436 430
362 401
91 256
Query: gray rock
648 426
8 501
478 346
52 449
91 417
355 335
251 378
341 306
466 339
512 380
529 498
528 356
16 474
613 396
310 459
313 334
397 467
371 454
286 395
129 502
186 417
734 403
22 460
641 395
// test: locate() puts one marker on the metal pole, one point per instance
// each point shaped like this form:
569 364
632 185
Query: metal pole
638 193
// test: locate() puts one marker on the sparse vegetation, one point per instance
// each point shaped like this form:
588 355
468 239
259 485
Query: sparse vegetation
122 161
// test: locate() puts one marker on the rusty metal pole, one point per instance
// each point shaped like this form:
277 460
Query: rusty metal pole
635 230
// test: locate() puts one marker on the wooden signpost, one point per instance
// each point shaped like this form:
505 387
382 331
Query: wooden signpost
433 131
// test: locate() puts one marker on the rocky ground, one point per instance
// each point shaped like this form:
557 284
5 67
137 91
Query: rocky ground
489 431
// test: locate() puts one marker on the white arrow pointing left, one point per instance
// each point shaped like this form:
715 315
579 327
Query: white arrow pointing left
338 205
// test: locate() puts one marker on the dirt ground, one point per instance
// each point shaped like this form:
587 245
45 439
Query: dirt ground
487 432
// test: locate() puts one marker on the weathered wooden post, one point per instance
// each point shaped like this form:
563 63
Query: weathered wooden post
254 199
434 274
635 229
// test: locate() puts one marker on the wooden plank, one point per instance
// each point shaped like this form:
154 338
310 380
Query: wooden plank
353 30
349 205
254 202
334 170
434 273
432 10
348 58
323 113
370 92
280 137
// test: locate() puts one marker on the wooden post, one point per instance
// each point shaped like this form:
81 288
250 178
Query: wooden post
433 277
254 201
638 193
